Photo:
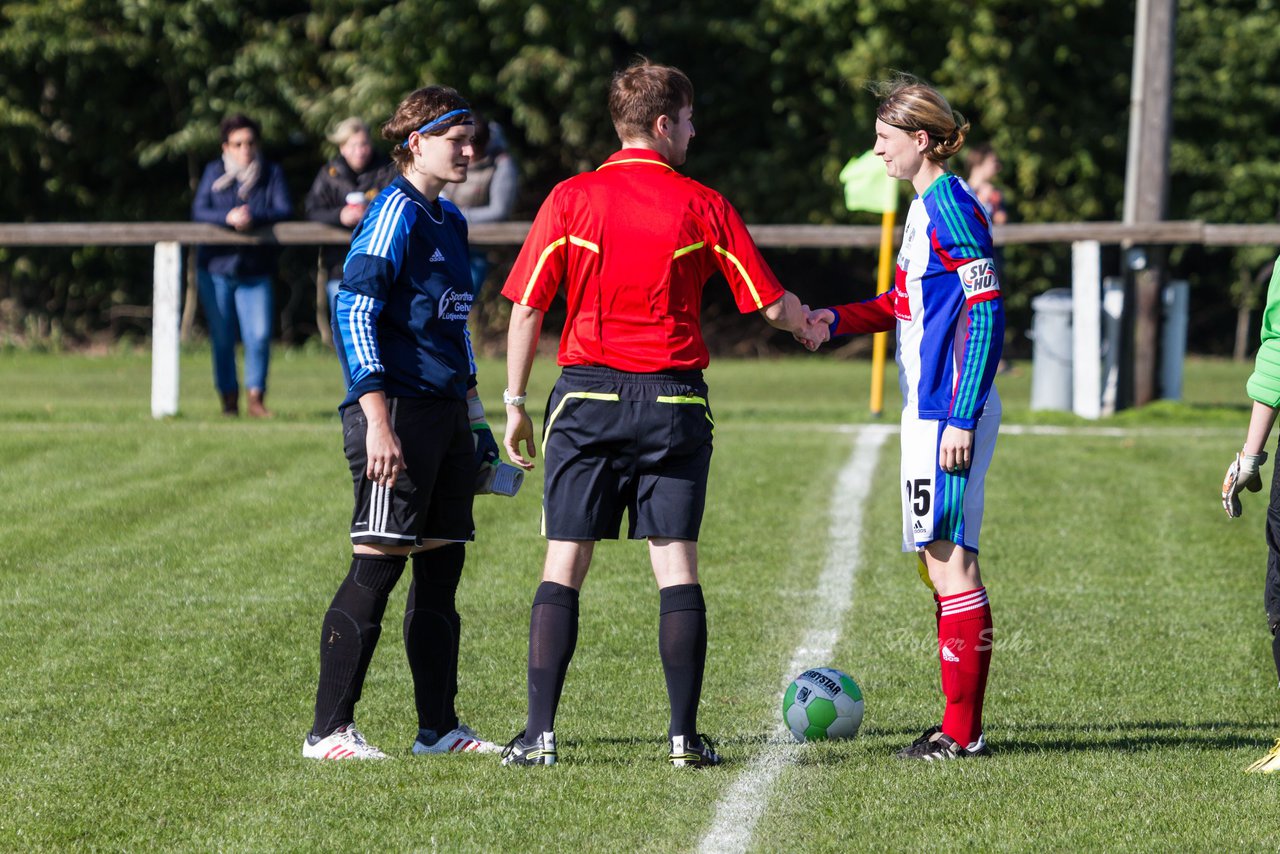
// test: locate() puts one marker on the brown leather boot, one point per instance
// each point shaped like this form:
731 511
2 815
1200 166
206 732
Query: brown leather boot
231 403
256 407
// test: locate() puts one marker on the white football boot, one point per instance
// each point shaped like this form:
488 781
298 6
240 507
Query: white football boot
344 743
461 739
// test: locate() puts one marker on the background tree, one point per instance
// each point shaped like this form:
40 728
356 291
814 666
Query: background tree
109 108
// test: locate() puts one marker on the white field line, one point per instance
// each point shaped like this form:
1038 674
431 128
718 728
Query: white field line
1005 429
742 805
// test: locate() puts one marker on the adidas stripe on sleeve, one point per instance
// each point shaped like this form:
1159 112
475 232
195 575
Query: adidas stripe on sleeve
373 262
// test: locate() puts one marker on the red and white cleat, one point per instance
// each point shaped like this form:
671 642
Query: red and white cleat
462 739
344 743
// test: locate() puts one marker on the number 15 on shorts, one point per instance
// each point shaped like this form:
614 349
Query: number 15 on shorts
918 504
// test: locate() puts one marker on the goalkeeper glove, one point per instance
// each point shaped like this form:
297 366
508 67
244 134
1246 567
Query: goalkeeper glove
492 474
1241 474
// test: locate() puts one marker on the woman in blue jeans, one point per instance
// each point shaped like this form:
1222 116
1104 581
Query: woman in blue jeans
240 191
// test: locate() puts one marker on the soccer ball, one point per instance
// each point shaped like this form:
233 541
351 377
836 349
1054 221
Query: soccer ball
822 703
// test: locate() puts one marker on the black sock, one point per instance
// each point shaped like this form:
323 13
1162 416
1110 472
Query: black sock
349 635
553 634
682 643
431 630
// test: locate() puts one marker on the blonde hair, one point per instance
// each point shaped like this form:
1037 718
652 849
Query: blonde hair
346 129
910 104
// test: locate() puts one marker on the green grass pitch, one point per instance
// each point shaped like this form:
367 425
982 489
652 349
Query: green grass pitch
162 584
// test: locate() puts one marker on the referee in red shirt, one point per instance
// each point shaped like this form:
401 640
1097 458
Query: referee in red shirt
628 424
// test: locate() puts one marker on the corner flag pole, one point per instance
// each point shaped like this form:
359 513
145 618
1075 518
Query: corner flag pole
880 343
868 187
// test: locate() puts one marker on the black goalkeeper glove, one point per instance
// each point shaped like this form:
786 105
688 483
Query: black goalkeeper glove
493 476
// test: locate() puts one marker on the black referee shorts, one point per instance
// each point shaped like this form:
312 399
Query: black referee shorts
619 441
432 496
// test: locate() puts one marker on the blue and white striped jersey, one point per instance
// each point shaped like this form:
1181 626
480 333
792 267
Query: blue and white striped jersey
401 318
952 334
946 305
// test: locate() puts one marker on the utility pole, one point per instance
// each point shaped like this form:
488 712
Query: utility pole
1146 182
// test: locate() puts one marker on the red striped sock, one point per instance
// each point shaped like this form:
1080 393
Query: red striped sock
964 651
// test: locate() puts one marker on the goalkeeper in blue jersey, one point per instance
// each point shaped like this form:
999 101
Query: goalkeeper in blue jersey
414 432
1243 473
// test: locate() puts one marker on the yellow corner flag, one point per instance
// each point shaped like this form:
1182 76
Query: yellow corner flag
867 187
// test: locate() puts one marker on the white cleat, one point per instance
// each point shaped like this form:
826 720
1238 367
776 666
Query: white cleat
344 743
461 739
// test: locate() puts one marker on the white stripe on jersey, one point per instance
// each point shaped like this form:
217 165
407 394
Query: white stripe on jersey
385 228
471 353
362 332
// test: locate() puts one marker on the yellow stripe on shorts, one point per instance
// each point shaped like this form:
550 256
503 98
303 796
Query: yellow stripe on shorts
690 398
574 395
579 395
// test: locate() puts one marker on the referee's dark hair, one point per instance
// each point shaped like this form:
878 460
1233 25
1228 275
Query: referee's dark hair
418 108
642 92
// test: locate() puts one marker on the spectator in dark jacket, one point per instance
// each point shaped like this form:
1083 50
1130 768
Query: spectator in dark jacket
240 191
343 189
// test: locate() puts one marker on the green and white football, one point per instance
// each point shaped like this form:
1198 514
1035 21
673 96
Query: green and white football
822 703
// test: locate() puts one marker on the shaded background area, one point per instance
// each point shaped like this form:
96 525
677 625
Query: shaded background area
110 108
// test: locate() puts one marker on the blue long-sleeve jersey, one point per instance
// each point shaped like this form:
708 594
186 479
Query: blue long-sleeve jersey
401 319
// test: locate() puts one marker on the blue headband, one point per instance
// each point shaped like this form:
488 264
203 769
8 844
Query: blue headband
429 125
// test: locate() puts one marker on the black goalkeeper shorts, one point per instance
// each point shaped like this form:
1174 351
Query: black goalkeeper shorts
618 441
432 497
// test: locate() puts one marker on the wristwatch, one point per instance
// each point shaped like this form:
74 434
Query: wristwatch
513 399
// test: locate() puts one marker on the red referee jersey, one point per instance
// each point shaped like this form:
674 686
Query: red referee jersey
633 243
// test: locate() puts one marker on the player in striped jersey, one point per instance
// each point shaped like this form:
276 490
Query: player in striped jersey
946 307
414 430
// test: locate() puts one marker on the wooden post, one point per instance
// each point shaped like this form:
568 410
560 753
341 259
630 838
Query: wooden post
1147 174
322 300
165 320
192 299
1146 328
1086 328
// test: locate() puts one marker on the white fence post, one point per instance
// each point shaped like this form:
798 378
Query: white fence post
165 321
1086 328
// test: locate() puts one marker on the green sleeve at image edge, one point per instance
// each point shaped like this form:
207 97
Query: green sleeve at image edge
1264 383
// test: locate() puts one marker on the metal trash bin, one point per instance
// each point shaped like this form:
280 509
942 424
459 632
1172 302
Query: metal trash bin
1051 350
